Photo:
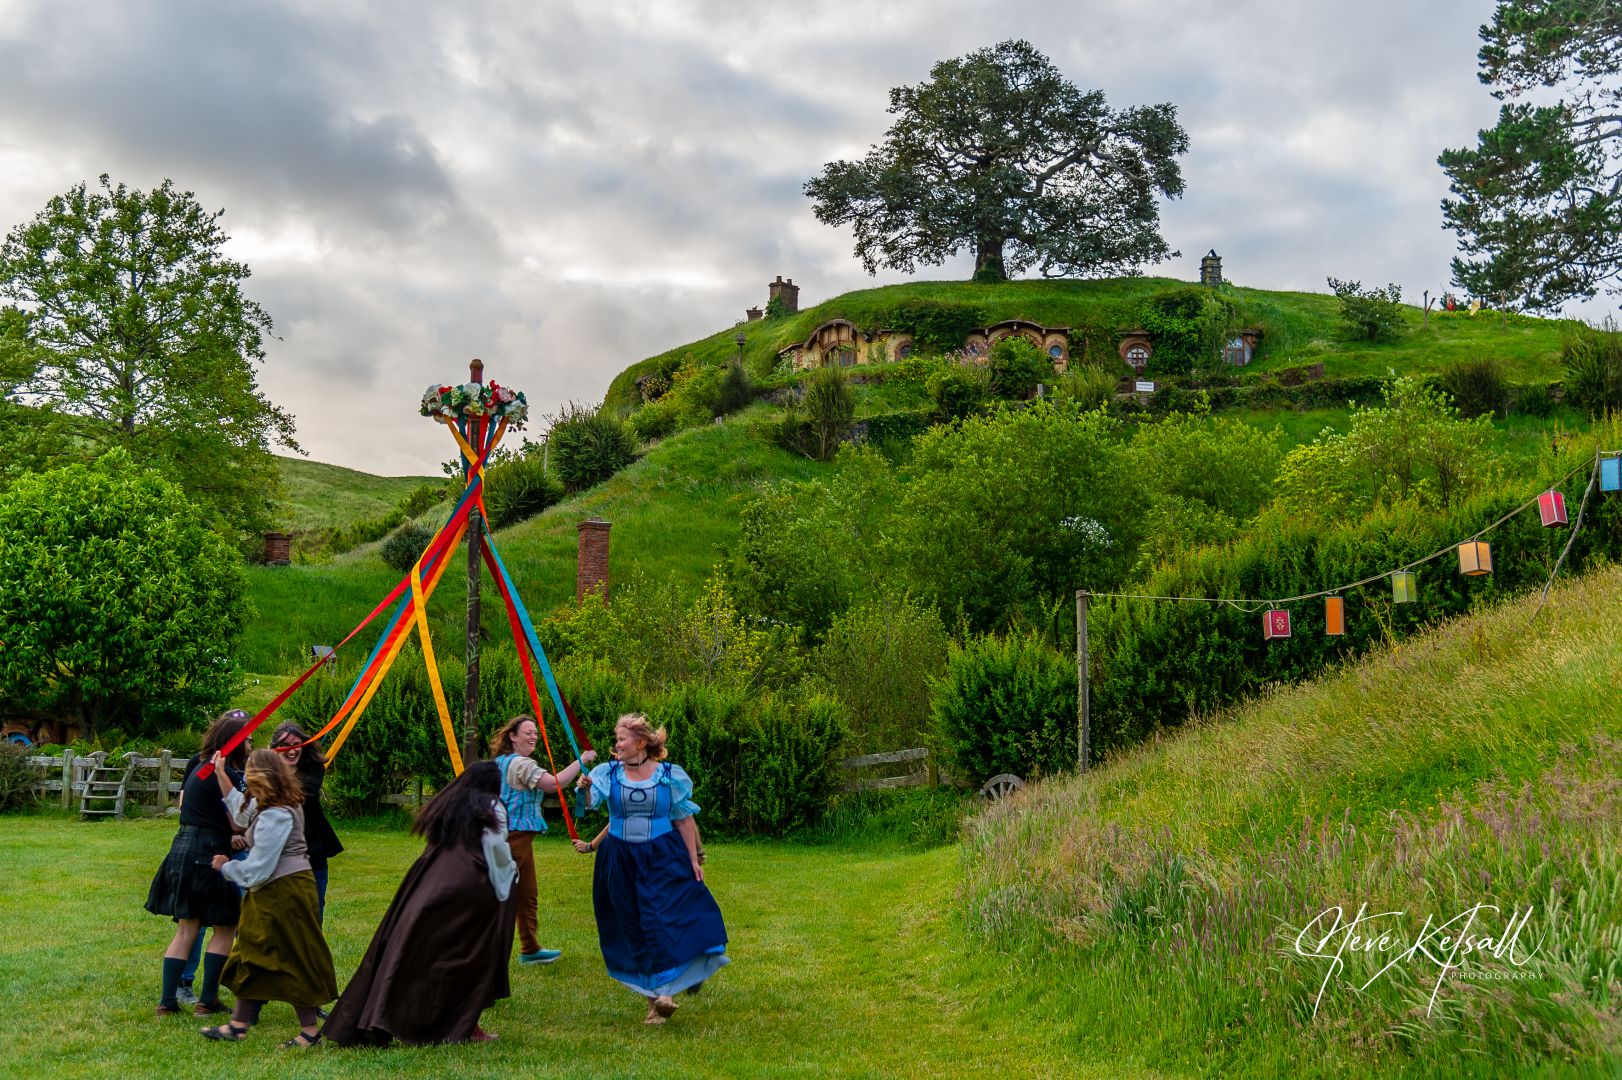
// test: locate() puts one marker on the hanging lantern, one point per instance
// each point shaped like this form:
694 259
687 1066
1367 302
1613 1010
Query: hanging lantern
1475 558
1552 508
1275 624
1402 587
1610 474
1334 615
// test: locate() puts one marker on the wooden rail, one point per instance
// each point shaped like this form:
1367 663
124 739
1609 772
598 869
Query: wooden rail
926 775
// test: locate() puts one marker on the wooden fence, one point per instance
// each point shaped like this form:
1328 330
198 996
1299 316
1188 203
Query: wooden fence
155 782
921 771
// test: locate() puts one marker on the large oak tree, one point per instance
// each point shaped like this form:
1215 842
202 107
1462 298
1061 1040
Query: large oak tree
128 327
1538 200
1000 154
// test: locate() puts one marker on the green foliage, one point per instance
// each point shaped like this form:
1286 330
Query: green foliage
775 308
1372 314
16 777
906 818
405 545
1007 705
736 390
1189 327
1478 387
1016 366
654 421
517 487
958 390
138 336
1087 387
1593 364
587 446
1039 173
878 658
1536 198
118 605
936 326
820 420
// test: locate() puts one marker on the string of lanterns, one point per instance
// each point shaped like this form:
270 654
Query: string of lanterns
1474 555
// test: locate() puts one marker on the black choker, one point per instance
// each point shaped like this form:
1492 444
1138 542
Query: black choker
635 764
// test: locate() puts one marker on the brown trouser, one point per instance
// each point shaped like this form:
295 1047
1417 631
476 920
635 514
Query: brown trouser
528 892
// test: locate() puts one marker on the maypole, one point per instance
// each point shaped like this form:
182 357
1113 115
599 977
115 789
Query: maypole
475 571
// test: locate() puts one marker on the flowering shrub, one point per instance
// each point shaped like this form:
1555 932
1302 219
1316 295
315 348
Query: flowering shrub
473 401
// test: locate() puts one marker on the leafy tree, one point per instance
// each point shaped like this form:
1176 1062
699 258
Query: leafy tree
1372 314
1000 154
1538 204
118 604
879 658
137 331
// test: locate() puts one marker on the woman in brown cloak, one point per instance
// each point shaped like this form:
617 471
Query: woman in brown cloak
439 959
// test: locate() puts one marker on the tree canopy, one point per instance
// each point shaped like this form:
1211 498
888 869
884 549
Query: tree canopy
118 604
1538 200
127 324
1000 154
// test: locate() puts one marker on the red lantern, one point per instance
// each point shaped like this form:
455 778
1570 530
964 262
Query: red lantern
1275 624
1552 508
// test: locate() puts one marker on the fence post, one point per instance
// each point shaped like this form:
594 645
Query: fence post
934 772
67 779
419 793
165 760
1083 717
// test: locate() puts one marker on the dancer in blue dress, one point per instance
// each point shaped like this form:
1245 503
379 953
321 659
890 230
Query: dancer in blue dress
659 928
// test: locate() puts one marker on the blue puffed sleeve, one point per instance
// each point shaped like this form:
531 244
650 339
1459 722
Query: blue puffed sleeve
681 794
599 789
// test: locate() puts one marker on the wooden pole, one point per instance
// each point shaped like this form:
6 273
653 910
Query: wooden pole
475 552
67 779
165 772
1083 710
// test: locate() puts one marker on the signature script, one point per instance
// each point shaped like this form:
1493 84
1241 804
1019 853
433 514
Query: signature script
1330 936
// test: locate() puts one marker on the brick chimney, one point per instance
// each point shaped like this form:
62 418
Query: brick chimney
788 291
592 573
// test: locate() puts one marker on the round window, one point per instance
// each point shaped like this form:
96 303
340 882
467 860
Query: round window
1056 351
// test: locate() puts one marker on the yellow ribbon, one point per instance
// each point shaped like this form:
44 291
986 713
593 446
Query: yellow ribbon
421 615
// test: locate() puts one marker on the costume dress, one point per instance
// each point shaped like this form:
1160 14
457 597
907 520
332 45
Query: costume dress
440 956
660 929
187 886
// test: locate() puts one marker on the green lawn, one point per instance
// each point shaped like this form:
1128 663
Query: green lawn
845 963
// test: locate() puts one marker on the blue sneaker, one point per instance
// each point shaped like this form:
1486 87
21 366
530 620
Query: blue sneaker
540 956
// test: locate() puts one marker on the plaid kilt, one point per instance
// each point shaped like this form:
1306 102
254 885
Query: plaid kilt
187 886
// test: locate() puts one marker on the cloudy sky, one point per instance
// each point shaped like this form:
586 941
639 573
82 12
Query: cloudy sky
565 188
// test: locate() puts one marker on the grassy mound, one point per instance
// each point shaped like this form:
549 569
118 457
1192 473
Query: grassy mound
320 495
1167 891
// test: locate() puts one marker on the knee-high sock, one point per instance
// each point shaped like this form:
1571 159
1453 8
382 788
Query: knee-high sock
209 992
171 981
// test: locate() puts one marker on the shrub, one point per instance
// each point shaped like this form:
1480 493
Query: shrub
1478 387
736 390
878 658
405 545
1372 314
517 488
1015 367
1593 363
654 421
1089 387
821 419
588 446
16 777
936 326
1007 705
958 390
1189 326
421 498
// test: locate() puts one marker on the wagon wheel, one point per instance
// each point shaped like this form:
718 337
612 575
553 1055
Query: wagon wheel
1000 785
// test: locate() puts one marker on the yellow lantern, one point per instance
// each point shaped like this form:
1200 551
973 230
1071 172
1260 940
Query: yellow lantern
1334 615
1402 587
1475 558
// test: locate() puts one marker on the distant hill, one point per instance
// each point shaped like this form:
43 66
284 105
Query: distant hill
321 495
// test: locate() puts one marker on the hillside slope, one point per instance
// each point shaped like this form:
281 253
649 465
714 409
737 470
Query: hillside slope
319 495
1477 764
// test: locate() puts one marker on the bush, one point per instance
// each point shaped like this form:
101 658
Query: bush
958 390
1478 387
821 419
654 421
736 390
1593 363
1007 705
1089 387
405 545
1189 326
936 326
878 658
1015 367
16 777
517 488
1373 314
588 446
422 498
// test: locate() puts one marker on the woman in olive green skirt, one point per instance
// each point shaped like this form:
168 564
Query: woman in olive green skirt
279 953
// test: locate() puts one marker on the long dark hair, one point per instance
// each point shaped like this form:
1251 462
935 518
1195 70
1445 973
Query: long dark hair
463 809
310 760
222 731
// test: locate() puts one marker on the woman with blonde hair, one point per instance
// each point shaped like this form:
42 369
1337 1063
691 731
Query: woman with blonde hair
523 785
660 930
279 953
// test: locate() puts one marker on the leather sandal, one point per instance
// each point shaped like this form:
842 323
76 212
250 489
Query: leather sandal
227 1032
301 1040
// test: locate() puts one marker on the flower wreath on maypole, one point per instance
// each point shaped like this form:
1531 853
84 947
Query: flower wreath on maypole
477 416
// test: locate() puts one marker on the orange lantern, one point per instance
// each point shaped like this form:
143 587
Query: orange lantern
1334 615
1475 558
1275 624
1552 508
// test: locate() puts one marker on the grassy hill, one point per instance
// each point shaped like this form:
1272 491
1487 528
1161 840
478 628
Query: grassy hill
1476 764
320 495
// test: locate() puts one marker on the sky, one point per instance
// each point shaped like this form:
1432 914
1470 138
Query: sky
562 189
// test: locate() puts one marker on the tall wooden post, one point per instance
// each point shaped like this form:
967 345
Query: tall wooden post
1083 711
475 573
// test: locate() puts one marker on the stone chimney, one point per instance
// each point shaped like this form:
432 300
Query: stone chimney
753 314
787 291
1211 269
591 574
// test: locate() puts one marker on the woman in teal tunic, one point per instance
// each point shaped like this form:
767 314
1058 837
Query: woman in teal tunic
660 930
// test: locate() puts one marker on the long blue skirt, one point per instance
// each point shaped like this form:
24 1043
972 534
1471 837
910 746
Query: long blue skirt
660 930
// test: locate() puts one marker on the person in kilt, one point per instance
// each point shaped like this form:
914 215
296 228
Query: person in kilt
279 953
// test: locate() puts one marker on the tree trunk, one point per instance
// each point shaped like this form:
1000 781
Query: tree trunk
988 266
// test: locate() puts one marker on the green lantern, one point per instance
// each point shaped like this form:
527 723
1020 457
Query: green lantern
1402 587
